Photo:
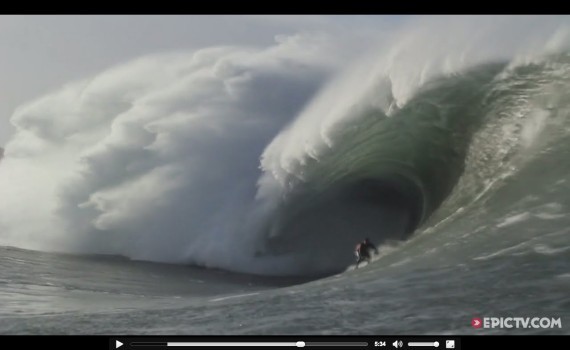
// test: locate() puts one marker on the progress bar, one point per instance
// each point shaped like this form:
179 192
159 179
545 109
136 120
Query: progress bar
299 344
434 344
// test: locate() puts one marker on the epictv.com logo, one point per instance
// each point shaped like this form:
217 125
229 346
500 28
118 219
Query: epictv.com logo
516 322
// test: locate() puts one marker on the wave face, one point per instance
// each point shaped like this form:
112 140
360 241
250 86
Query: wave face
277 160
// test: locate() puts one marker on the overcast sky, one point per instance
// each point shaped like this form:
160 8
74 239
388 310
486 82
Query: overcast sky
41 53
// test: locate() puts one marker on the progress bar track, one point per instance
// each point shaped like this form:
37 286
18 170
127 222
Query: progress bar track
299 344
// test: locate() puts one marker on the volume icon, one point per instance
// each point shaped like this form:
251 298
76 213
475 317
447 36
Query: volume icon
397 344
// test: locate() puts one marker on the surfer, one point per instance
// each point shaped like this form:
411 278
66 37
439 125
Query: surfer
362 251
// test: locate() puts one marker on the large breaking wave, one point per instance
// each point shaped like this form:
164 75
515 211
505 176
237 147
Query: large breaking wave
277 160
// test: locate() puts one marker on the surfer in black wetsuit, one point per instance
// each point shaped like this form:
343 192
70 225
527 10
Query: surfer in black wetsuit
362 251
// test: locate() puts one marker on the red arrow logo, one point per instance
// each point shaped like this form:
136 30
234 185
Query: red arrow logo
476 322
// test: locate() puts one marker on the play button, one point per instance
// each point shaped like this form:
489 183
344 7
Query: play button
118 344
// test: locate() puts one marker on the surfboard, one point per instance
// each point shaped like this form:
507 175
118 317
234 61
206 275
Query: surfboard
352 267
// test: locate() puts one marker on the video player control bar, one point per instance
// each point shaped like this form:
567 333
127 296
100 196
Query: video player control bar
356 343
